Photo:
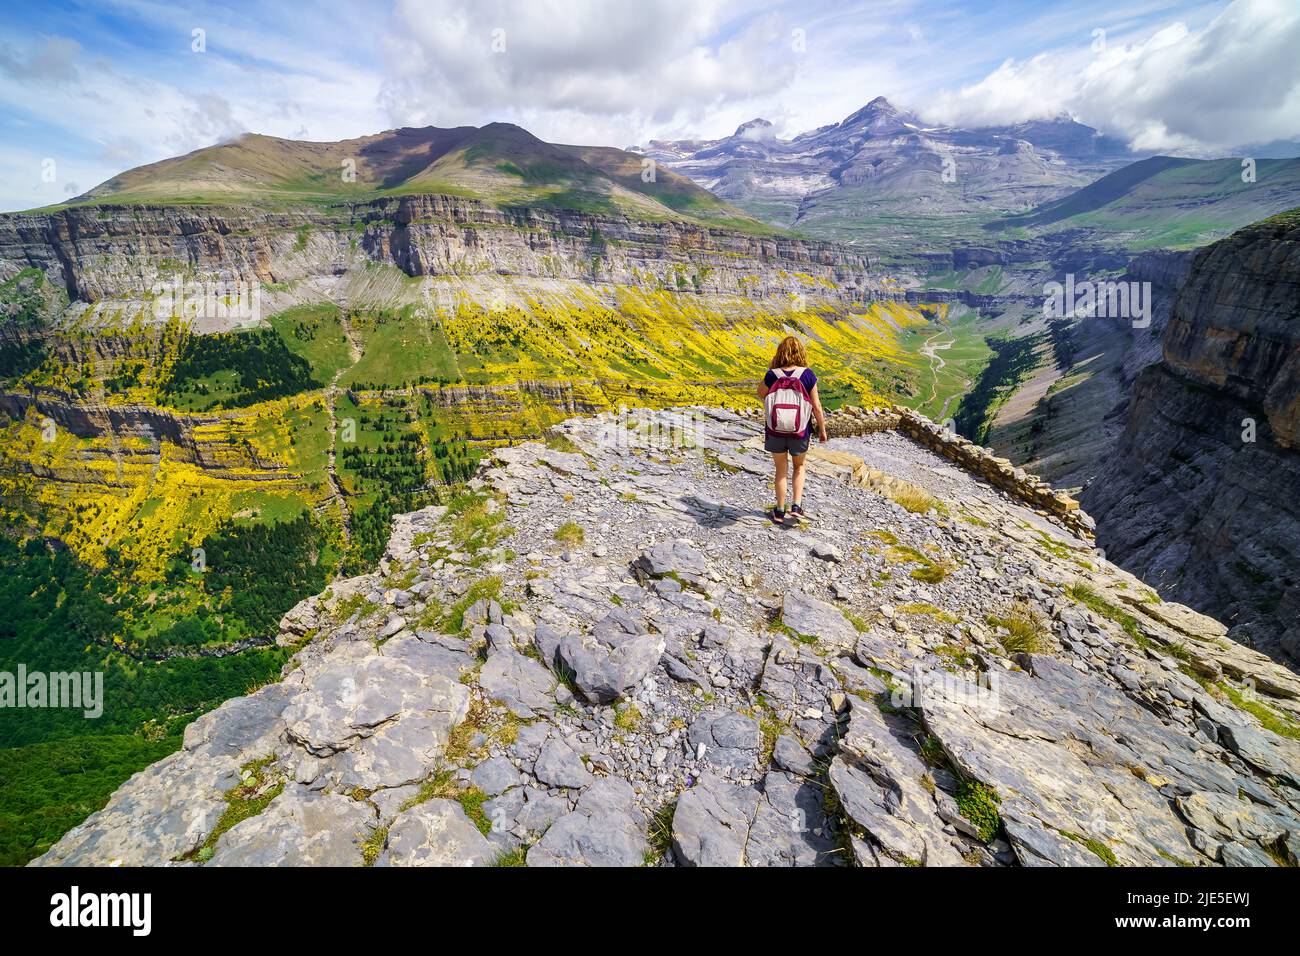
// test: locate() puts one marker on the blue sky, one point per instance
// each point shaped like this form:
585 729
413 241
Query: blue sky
87 90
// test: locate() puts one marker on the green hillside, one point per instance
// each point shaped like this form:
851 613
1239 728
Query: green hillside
498 163
1166 202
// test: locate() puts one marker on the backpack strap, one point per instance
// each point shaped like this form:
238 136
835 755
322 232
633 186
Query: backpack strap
796 372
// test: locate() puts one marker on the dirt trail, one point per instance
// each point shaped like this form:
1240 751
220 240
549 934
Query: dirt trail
331 398
930 350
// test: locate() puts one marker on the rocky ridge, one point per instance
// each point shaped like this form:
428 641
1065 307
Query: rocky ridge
608 656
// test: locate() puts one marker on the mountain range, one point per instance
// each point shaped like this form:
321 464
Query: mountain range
882 178
498 163
885 178
890 159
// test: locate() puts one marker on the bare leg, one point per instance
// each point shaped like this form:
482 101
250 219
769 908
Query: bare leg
798 477
782 470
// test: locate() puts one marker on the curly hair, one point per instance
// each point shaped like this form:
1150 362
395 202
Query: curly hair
790 354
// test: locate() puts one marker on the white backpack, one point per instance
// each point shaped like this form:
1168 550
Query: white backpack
788 405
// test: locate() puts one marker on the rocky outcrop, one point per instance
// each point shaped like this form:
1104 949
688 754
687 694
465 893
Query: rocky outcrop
84 248
1200 497
971 686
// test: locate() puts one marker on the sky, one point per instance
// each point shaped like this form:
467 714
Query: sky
90 89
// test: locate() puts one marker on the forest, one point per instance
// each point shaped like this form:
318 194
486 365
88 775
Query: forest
56 766
257 367
257 572
1013 359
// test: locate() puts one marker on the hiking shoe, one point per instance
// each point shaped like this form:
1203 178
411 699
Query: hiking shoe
777 516
799 513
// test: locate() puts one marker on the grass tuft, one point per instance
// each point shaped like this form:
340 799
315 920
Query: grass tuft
627 717
978 803
1026 632
1267 716
557 441
243 801
516 857
1095 846
570 534
929 610
661 834
916 500
374 845
1099 605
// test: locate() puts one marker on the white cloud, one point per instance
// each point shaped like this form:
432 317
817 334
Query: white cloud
578 66
1232 83
52 59
30 179
105 111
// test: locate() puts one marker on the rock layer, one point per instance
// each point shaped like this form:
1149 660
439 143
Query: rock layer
80 248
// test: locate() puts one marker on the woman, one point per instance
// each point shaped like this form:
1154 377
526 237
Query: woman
791 363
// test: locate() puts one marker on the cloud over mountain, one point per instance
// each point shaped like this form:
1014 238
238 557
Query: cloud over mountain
1232 83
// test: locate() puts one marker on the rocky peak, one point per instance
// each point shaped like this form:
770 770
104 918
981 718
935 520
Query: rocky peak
876 116
907 677
755 129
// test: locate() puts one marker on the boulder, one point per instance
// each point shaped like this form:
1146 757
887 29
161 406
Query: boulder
518 682
817 620
299 828
435 833
711 823
680 559
558 765
614 658
605 829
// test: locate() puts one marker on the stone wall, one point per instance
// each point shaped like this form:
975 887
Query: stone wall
854 422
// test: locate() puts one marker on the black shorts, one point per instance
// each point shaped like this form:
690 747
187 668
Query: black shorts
780 443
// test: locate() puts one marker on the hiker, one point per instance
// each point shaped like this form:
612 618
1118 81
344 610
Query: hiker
790 403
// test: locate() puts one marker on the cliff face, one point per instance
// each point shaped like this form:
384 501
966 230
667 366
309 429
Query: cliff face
137 432
1202 498
1236 325
1167 271
97 252
121 251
